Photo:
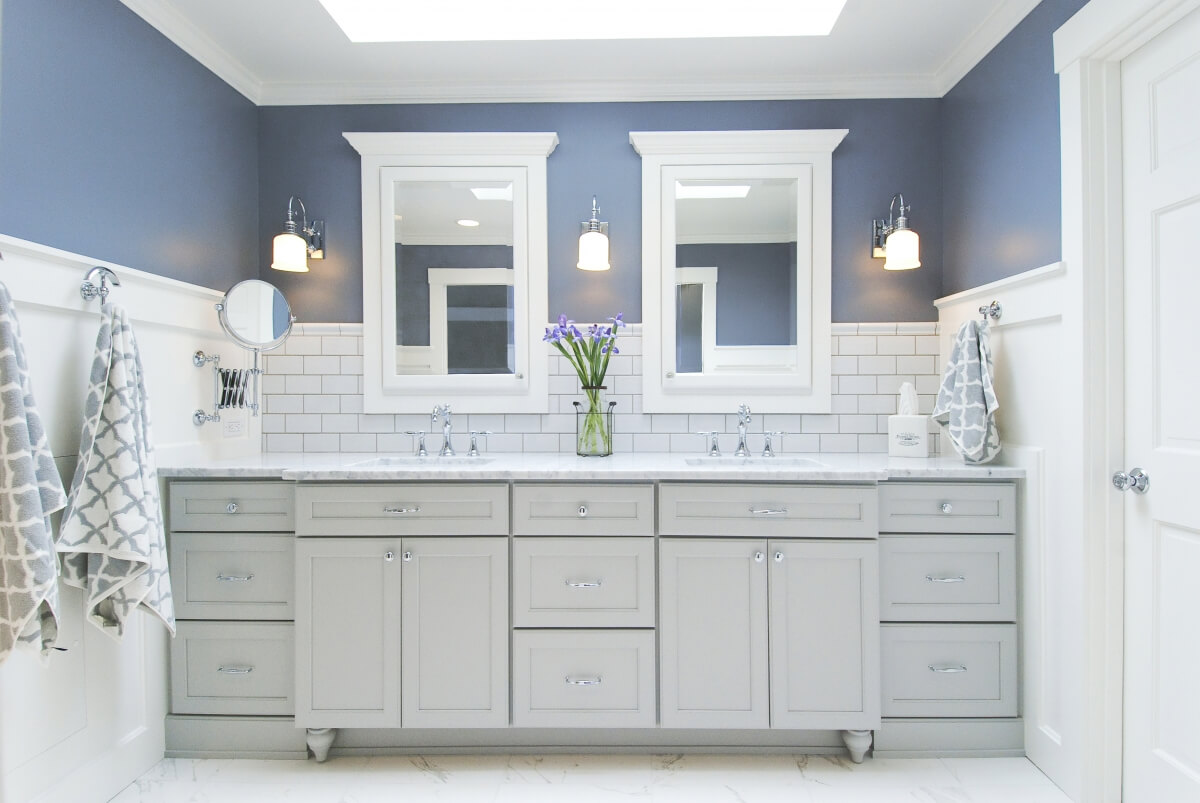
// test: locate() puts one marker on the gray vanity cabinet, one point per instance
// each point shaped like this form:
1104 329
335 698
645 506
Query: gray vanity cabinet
780 633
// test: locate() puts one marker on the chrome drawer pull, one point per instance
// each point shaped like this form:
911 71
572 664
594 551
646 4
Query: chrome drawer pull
947 669
232 507
234 578
400 511
583 681
768 511
585 584
235 670
932 579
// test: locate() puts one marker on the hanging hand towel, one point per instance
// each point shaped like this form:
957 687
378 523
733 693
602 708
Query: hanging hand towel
112 532
966 402
30 490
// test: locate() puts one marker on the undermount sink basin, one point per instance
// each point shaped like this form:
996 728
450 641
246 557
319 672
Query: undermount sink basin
416 462
755 460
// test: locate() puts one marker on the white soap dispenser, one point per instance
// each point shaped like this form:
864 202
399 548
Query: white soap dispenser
908 432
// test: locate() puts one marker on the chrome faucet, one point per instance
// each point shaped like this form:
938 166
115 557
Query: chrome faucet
743 422
443 410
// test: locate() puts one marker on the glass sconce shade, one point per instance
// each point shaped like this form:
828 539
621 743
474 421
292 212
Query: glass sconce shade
289 252
593 251
903 248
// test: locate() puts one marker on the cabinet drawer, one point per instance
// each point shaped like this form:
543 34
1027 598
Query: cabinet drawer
562 509
583 678
232 668
948 578
232 576
589 582
402 509
232 506
949 670
775 510
947 507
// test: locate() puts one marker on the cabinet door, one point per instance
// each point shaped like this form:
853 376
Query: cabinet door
713 632
347 632
824 634
455 642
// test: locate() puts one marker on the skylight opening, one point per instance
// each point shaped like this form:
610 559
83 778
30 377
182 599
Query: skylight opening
530 20
692 191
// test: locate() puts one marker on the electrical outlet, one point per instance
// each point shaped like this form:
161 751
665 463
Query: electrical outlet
232 428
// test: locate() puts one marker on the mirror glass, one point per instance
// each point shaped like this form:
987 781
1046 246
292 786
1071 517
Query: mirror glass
455 310
256 315
736 293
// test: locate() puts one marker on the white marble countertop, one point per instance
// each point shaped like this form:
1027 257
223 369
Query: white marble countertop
822 467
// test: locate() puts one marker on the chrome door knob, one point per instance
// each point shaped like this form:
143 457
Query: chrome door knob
1136 480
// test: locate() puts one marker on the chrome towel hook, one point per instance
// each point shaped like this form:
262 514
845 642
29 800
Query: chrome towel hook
89 290
993 311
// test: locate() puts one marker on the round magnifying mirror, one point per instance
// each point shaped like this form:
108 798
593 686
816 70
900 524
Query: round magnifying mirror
256 315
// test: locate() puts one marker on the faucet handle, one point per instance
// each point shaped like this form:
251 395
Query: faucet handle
767 450
475 433
419 434
744 413
714 449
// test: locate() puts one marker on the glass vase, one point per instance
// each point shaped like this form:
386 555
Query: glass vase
593 423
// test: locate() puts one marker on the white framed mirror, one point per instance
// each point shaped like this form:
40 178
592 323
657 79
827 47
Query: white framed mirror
736 242
454 270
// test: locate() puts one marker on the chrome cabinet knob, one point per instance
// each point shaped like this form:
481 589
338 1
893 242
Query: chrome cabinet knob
759 557
389 556
407 556
946 507
232 507
583 511
779 557
1136 480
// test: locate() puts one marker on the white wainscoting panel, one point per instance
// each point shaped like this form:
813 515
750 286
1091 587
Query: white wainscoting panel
83 725
1030 353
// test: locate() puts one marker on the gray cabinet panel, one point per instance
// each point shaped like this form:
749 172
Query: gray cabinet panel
232 668
768 510
590 582
348 632
582 509
713 633
455 636
947 507
824 634
583 678
243 506
949 670
948 578
232 576
409 508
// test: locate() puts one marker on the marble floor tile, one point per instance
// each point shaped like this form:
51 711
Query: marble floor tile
602 778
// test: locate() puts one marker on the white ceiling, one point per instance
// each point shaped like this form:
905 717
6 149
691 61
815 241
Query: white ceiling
284 52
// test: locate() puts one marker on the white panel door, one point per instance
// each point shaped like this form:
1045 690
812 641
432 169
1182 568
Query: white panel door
1161 123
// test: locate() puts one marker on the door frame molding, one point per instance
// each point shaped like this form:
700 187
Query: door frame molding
1088 51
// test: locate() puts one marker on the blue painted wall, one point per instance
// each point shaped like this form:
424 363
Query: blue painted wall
116 144
893 146
1001 166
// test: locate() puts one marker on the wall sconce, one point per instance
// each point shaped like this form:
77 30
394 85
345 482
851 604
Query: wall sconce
895 242
593 243
292 247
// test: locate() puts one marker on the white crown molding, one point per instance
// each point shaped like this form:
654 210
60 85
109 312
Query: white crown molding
191 40
553 91
814 140
981 42
441 143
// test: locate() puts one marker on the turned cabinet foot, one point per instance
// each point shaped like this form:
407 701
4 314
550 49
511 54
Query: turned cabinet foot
857 742
321 739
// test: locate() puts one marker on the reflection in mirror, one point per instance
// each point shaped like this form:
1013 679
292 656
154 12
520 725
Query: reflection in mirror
735 274
256 315
454 277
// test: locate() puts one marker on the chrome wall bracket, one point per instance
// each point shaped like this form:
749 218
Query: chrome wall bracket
233 388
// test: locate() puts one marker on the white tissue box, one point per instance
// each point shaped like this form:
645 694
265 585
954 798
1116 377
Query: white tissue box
908 436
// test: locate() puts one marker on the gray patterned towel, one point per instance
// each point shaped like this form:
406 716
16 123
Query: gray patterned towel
30 490
112 532
966 403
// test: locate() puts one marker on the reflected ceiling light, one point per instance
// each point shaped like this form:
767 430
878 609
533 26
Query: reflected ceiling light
470 224
689 191
486 20
492 193
292 248
593 242
895 242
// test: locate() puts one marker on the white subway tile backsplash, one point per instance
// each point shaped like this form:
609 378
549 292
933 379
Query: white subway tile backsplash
313 399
